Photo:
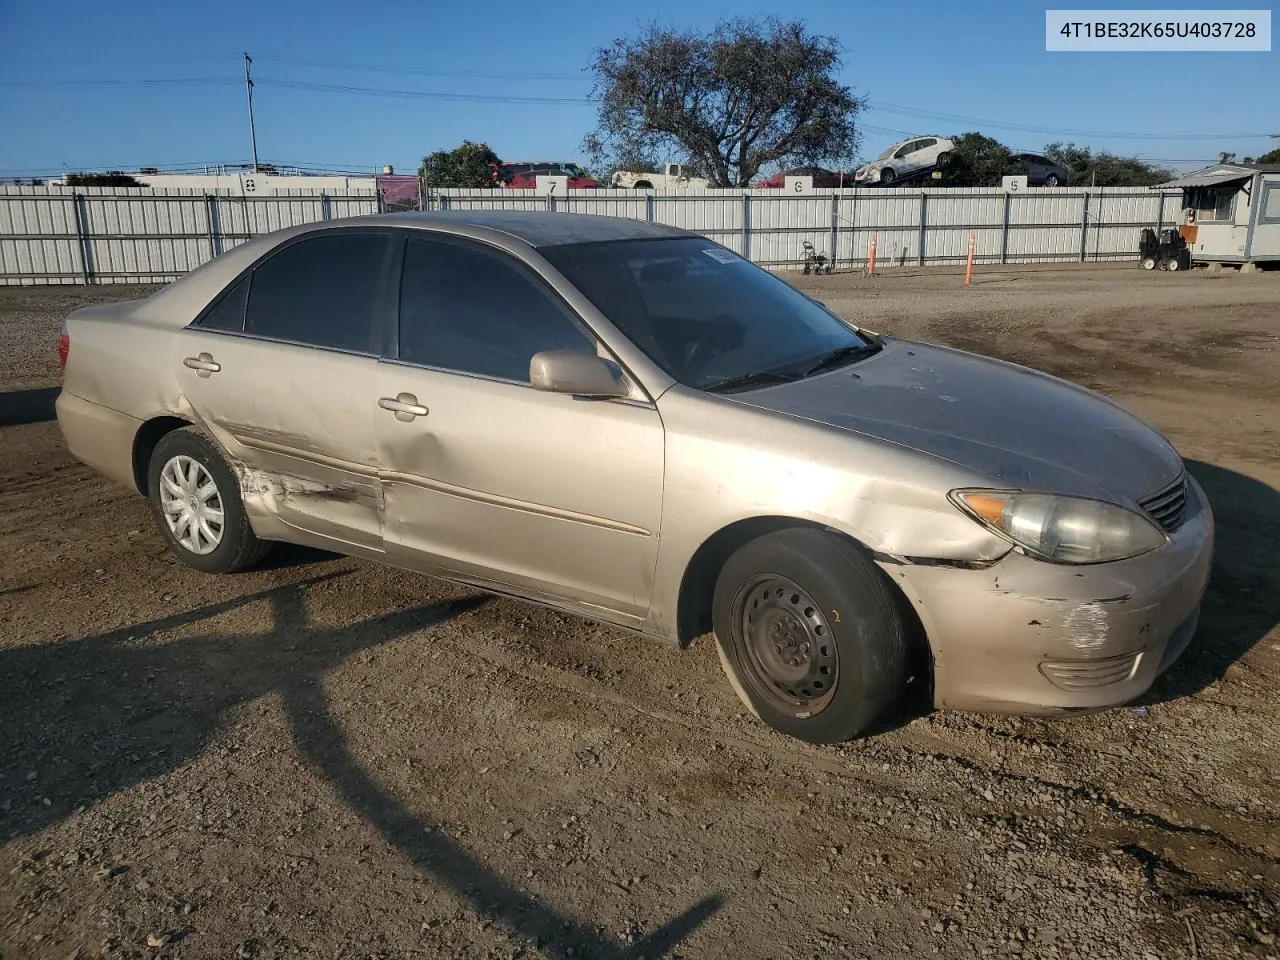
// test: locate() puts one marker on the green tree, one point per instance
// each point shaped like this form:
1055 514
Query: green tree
1272 157
470 165
1104 169
746 94
978 161
112 178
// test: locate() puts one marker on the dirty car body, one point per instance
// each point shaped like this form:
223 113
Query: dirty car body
586 412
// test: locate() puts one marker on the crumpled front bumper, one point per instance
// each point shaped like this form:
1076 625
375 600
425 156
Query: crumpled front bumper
1025 636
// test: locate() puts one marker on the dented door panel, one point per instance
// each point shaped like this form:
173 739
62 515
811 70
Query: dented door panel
543 492
297 423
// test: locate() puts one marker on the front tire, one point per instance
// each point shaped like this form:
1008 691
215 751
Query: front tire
1051 180
887 175
809 634
195 499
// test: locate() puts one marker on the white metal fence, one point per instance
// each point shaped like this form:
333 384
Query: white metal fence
112 235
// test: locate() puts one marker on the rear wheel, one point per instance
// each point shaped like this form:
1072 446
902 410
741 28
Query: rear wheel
1149 263
643 185
1051 180
195 498
809 634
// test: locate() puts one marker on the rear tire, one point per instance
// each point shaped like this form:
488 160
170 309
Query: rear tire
195 498
809 634
1051 181
643 185
1149 263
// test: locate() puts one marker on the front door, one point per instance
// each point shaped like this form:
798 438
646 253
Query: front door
548 494
281 370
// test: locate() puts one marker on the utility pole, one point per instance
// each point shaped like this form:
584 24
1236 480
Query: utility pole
248 89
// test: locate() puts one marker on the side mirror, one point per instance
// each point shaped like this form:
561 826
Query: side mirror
576 372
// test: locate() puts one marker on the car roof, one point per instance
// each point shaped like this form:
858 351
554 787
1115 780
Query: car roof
536 228
197 288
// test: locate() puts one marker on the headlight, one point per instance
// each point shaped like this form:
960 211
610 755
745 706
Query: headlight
1062 529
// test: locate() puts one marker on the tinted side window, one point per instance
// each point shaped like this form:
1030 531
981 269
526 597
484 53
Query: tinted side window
469 310
227 313
321 291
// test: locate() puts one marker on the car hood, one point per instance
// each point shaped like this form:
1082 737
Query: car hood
1013 426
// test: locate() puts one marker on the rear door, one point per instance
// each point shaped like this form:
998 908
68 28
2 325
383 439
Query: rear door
905 159
548 494
281 370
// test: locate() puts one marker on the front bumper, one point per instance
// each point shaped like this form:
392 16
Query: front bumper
1025 636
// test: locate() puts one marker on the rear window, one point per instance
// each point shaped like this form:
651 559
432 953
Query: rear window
321 291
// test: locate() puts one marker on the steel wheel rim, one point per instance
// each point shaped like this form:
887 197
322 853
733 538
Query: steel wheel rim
786 645
191 504
1173 265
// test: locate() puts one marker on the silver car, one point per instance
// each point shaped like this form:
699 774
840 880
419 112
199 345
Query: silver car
634 424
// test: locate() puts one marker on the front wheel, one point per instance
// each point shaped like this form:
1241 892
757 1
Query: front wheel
1051 180
195 498
887 175
809 634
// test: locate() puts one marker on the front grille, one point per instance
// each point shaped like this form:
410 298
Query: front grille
1087 674
1168 508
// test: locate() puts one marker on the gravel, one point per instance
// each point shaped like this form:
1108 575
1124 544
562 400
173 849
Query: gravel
323 757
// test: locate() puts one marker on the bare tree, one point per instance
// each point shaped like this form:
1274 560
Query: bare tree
748 93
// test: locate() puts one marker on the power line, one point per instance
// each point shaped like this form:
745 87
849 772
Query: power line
154 82
416 94
420 71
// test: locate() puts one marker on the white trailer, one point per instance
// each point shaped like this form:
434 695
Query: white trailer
1231 212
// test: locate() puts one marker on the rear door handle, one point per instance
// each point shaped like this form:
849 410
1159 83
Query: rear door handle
203 365
404 405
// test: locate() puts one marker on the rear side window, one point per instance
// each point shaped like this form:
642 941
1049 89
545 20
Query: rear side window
321 291
227 313
467 309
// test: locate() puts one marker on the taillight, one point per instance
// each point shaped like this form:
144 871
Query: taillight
64 348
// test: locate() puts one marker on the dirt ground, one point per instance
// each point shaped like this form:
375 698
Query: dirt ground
327 758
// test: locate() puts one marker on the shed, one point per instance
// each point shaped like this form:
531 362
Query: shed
1231 212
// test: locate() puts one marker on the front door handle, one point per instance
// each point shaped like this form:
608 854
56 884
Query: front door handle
203 365
404 405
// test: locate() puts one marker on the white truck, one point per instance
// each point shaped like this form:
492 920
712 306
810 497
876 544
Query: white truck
672 175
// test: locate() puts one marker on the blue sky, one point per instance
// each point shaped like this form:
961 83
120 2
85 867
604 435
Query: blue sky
974 59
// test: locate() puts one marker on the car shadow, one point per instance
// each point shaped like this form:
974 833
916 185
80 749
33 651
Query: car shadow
1242 604
27 406
84 719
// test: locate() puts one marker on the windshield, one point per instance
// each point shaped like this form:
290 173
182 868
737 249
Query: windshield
702 313
888 153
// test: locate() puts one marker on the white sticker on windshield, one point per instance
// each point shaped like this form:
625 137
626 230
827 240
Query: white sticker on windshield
722 256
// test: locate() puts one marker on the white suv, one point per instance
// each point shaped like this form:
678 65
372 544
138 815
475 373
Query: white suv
904 158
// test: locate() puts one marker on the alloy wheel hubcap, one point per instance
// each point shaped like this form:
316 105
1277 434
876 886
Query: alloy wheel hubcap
191 504
788 645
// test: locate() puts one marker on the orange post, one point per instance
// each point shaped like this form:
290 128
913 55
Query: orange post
871 256
968 270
